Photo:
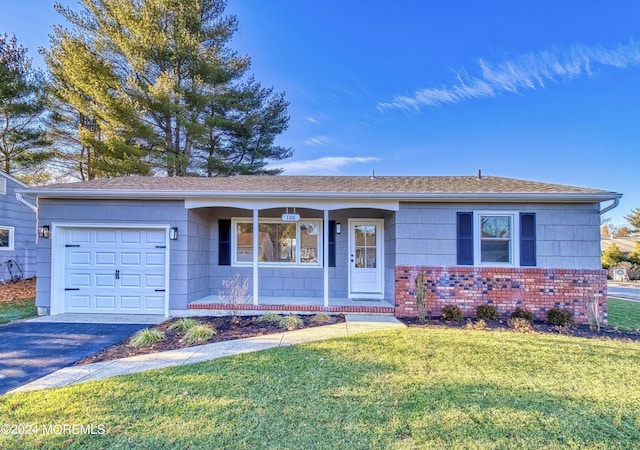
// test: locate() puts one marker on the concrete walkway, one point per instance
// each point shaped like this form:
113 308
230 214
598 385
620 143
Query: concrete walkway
355 323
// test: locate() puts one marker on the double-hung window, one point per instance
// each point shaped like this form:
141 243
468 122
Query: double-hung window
279 243
6 238
496 238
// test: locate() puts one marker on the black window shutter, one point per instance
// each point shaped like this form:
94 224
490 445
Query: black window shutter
465 239
331 247
527 239
224 242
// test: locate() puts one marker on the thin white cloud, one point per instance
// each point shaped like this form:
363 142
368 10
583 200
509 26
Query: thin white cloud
322 166
527 72
313 119
317 140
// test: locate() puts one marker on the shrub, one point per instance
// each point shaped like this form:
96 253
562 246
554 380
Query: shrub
421 296
559 317
183 324
321 318
520 313
270 318
487 312
479 325
520 324
452 313
146 337
199 333
291 322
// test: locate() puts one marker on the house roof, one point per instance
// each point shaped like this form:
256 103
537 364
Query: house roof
397 187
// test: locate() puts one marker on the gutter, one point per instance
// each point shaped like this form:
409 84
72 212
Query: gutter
410 196
21 199
616 202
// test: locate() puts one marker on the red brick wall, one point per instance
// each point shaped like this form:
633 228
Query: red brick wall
537 290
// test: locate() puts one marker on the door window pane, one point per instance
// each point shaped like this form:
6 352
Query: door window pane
365 247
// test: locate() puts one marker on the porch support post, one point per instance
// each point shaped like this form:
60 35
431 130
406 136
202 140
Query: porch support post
256 255
325 257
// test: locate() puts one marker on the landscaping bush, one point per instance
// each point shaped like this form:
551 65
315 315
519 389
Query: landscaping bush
520 313
487 312
559 317
183 324
520 324
452 313
146 337
270 318
479 325
291 322
199 333
322 318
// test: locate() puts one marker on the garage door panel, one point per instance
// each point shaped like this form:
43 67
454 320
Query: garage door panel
105 302
78 237
80 302
105 237
115 271
105 259
154 281
104 280
130 259
156 237
129 302
154 303
130 281
131 237
79 280
80 259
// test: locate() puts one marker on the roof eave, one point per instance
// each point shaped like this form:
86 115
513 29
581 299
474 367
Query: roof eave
556 197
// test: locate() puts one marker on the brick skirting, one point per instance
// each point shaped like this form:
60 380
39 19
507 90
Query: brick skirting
537 290
295 308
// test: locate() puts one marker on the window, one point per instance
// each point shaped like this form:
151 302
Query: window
279 243
496 238
6 238
496 235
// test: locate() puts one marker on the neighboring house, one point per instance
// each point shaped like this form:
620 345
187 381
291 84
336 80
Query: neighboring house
165 245
17 232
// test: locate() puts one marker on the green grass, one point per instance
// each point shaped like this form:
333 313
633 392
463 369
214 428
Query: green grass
401 389
623 314
17 309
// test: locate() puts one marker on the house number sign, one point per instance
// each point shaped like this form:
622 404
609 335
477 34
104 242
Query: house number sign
286 217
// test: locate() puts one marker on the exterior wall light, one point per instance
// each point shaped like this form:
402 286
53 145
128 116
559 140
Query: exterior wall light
44 231
338 227
173 233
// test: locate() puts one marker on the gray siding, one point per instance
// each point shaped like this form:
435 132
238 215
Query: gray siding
103 212
23 220
567 235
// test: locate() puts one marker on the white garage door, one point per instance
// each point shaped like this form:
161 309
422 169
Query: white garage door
114 271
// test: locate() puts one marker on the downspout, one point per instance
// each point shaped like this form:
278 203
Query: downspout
616 202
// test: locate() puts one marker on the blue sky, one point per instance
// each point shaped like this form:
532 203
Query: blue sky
545 90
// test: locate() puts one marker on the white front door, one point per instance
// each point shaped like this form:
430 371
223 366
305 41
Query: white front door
117 271
365 258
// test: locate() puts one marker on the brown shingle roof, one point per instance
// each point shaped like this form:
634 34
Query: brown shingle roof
325 184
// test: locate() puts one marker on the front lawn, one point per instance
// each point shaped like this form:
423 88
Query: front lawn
624 314
408 388
11 310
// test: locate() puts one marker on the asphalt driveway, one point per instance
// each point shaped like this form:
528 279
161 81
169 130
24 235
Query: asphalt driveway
30 350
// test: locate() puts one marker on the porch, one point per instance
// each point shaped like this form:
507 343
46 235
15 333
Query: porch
210 304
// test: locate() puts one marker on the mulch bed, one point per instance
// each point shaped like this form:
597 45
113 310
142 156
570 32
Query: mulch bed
538 327
19 290
227 329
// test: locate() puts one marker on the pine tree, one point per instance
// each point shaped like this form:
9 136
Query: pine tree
161 90
611 256
634 219
23 142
